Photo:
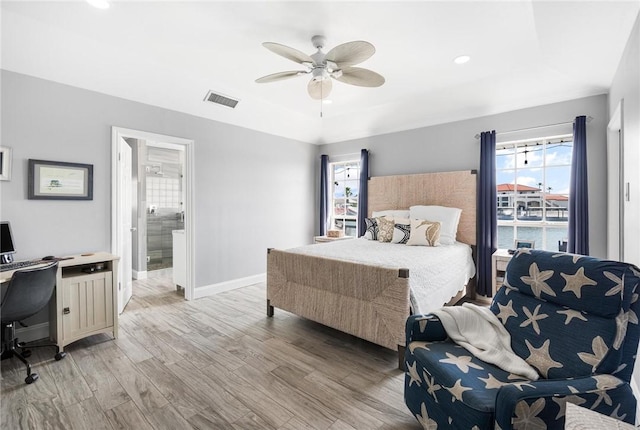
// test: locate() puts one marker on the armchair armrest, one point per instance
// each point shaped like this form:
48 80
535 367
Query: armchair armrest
544 401
426 328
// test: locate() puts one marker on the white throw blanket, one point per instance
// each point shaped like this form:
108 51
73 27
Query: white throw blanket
480 332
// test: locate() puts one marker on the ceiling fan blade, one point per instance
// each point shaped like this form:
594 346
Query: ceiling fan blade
280 76
319 89
360 77
350 53
288 52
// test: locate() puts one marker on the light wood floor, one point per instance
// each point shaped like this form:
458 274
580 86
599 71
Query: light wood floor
213 363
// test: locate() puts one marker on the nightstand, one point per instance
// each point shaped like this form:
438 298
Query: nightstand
499 261
323 239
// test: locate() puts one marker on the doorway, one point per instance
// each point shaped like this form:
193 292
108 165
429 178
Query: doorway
152 198
157 208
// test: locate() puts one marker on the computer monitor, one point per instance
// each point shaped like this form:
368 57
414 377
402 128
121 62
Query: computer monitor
6 243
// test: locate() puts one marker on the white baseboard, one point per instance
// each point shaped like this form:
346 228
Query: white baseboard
33 332
139 275
210 290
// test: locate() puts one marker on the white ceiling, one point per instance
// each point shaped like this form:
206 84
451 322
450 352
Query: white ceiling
169 54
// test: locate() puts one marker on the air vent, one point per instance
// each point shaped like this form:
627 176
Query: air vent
220 99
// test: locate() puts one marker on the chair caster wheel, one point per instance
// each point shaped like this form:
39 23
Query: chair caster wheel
31 378
60 355
26 353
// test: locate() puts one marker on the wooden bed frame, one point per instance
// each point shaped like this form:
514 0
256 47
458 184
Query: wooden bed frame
368 301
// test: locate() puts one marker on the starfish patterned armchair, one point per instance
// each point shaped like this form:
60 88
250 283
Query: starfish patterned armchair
574 319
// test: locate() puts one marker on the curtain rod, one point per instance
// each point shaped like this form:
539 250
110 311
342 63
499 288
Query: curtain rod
589 118
344 155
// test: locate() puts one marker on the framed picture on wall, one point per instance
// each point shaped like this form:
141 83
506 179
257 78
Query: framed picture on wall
519 243
58 180
5 163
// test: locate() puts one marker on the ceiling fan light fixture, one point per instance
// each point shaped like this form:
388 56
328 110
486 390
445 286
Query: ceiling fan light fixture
462 59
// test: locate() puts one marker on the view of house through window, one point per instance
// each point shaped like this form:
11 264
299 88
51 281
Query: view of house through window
532 179
345 177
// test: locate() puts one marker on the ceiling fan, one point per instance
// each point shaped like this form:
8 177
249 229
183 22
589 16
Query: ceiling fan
337 64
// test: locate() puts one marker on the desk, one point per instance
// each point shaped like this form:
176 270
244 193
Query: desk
83 304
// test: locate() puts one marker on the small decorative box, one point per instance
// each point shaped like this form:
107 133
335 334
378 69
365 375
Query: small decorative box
335 233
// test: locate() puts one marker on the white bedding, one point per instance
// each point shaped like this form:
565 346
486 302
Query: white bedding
436 274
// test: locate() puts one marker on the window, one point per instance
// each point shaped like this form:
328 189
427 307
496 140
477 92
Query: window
532 179
345 177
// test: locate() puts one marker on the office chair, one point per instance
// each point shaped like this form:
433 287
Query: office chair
28 293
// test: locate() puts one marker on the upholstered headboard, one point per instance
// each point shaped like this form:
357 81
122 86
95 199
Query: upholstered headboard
452 189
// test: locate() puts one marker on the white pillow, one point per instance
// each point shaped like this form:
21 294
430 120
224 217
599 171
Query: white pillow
448 218
424 233
401 230
391 213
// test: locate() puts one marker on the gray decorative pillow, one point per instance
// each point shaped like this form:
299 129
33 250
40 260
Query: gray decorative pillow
385 229
401 231
372 229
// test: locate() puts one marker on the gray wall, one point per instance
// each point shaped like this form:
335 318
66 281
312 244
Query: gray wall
626 86
252 190
452 146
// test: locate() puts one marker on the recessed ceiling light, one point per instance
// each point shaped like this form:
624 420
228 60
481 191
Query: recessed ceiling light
100 4
462 59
